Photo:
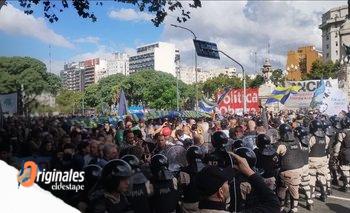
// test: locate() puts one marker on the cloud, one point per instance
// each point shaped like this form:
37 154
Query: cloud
14 21
130 15
242 27
101 52
88 39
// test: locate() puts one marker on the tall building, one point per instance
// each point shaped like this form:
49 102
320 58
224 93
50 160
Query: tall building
300 62
71 76
160 56
330 26
116 63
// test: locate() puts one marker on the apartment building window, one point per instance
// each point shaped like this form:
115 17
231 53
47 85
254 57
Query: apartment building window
336 35
336 52
327 46
336 43
327 37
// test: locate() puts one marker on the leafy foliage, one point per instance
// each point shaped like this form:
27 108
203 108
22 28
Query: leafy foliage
83 8
29 72
69 101
322 70
277 77
213 85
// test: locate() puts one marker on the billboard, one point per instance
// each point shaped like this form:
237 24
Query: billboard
9 103
233 101
304 97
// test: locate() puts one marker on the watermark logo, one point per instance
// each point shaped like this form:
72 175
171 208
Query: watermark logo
58 180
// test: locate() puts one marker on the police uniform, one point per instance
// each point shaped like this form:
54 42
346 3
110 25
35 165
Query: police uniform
344 157
267 163
187 180
139 194
165 196
104 202
290 173
305 176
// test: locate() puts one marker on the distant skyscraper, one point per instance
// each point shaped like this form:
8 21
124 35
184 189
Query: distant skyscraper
330 26
160 56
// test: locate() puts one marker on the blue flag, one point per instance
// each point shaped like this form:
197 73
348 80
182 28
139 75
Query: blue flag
123 105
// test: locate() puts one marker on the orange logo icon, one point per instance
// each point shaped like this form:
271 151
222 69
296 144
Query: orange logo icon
27 174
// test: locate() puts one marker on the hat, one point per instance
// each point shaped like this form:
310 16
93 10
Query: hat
211 178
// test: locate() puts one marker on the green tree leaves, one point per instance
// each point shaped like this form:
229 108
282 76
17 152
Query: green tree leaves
322 70
277 77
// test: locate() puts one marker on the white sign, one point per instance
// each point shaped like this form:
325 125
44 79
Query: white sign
334 101
304 97
9 103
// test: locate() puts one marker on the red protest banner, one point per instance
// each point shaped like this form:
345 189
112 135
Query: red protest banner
233 101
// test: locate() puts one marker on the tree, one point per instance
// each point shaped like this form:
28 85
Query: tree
322 70
108 88
213 85
30 73
91 95
69 101
277 77
83 8
255 82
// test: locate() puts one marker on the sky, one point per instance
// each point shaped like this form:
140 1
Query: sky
240 28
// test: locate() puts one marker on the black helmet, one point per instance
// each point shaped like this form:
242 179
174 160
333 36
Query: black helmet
159 167
194 156
286 133
193 153
262 141
92 173
316 128
113 172
345 122
219 158
328 128
218 139
132 160
335 122
301 133
248 154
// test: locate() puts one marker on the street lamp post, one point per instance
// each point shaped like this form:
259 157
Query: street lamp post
244 81
195 60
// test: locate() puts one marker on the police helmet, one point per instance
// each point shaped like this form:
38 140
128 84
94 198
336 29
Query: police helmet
159 167
218 139
193 153
92 173
286 133
328 128
262 141
248 154
316 128
335 122
132 160
301 133
345 122
113 172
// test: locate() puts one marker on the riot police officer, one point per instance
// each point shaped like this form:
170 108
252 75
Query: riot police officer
187 180
140 189
109 196
289 151
267 160
165 191
302 136
219 157
318 162
334 150
331 133
344 154
92 173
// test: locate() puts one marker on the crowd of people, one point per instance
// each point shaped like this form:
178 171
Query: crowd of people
231 163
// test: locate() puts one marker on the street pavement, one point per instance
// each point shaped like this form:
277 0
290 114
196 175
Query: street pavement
337 202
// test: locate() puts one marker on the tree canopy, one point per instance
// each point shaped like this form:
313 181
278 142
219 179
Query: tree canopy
29 72
84 8
277 77
322 70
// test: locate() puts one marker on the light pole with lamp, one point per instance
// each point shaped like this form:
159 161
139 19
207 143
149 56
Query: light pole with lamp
195 60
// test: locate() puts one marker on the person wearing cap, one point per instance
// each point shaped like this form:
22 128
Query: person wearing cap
213 186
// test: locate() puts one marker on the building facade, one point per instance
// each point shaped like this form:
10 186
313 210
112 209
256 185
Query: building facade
160 56
114 64
330 26
300 62
188 75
